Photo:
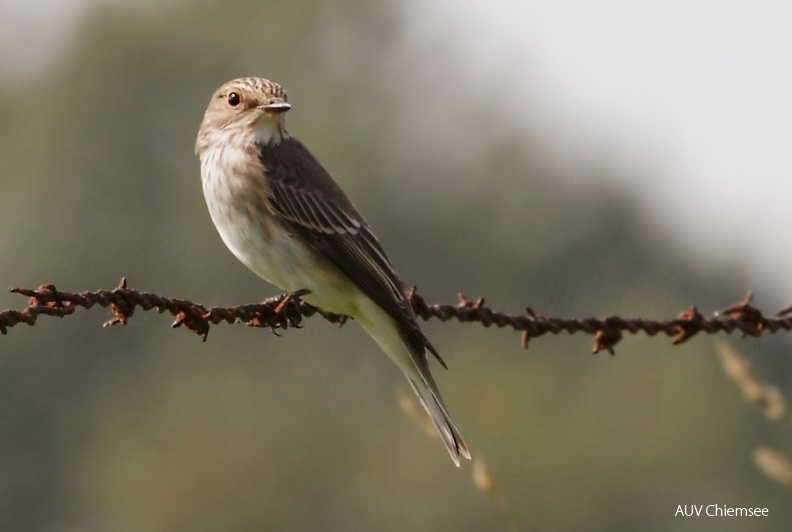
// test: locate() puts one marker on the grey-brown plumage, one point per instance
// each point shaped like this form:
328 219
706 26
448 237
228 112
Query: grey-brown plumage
312 204
281 214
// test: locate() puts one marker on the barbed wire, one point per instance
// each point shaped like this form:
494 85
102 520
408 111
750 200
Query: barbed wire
288 310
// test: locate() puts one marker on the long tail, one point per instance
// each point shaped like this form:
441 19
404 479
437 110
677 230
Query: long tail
426 389
433 403
409 348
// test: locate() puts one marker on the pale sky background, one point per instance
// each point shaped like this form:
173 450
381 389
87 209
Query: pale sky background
697 95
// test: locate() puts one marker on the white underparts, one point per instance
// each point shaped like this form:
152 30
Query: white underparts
269 129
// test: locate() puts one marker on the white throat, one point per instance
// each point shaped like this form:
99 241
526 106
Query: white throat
268 131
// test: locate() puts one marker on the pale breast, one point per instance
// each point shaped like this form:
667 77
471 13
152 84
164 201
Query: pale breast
238 207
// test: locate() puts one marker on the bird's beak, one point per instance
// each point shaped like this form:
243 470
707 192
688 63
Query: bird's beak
275 107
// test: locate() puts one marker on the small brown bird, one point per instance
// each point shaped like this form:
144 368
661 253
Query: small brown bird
279 211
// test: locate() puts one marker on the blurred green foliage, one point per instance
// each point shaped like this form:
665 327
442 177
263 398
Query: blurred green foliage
144 428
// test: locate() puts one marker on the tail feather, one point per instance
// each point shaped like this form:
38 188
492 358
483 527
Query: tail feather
429 394
434 406
408 347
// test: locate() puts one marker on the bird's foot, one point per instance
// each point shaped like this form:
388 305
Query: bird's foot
291 296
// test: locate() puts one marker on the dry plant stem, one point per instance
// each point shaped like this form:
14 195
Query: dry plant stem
754 390
288 310
774 465
485 481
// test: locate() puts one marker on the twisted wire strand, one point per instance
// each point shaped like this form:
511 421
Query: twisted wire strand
288 310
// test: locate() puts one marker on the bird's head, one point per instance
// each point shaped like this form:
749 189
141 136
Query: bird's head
247 109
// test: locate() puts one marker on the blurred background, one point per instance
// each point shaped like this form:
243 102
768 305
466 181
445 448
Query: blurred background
582 159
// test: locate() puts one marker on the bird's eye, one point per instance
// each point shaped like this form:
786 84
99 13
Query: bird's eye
234 99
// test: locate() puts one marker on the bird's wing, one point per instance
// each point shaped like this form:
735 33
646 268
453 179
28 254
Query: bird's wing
305 197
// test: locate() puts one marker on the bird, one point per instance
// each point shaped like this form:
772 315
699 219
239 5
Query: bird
283 216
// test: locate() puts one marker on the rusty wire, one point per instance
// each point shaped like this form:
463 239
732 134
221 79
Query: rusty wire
288 310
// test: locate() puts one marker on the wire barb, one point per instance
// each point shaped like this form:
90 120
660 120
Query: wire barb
288 310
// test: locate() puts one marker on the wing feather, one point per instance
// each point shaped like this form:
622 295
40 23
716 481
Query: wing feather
305 197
